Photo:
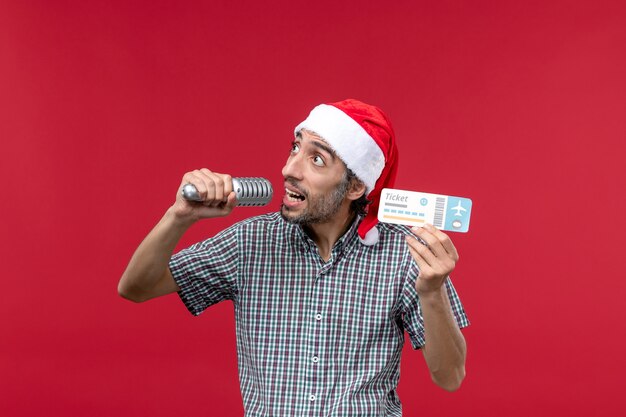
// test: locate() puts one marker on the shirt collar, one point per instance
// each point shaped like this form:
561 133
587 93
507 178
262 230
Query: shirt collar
345 242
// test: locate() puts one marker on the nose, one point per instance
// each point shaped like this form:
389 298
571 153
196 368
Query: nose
293 167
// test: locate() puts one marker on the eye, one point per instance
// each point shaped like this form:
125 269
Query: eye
295 147
319 161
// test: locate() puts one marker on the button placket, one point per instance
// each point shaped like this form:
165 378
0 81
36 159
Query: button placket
314 341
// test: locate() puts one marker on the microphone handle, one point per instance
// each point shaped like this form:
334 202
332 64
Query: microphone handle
250 191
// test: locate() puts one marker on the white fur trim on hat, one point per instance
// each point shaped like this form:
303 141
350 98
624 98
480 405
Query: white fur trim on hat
371 237
349 140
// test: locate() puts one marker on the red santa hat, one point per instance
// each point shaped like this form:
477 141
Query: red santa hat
362 136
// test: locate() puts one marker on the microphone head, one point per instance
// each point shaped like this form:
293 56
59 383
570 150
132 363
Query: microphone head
252 191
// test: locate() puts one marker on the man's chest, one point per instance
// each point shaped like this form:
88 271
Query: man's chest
296 299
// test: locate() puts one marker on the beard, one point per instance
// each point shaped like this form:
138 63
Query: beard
319 209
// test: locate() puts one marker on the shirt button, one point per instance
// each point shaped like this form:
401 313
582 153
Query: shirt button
311 397
318 316
315 359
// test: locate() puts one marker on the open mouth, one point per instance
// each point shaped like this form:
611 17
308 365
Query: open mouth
293 196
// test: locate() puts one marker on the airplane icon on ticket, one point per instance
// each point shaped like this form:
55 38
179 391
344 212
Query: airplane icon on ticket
459 209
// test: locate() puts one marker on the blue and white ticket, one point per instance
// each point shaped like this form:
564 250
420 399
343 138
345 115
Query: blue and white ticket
414 209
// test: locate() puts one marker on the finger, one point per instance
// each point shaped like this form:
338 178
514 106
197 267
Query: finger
422 265
196 180
193 178
445 241
419 260
231 201
431 240
421 249
225 207
215 187
228 185
223 185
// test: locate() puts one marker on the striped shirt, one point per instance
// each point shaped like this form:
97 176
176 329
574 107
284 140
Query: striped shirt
314 338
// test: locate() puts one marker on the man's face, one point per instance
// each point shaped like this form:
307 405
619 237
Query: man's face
316 182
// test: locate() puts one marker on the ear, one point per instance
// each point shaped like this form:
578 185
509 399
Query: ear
357 189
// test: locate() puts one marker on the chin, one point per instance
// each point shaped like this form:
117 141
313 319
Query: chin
291 217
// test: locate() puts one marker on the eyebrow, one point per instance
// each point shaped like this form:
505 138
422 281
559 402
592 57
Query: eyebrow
324 147
319 142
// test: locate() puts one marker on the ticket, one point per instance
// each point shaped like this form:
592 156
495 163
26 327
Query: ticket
414 209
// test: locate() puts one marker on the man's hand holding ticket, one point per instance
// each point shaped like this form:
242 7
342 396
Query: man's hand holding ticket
416 209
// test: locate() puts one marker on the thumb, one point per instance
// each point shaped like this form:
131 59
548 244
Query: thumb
232 201
226 207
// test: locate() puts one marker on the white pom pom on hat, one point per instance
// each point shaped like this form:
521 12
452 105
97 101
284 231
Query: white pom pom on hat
362 136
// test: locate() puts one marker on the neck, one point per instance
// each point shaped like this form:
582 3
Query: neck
326 234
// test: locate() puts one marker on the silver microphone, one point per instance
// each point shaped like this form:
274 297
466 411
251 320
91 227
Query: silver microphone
250 191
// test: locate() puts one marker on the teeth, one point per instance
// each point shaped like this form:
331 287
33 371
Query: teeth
293 196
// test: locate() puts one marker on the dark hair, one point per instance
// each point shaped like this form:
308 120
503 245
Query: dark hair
358 206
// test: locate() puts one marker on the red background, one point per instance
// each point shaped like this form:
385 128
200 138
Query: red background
519 105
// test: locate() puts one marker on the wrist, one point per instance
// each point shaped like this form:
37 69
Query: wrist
179 219
433 297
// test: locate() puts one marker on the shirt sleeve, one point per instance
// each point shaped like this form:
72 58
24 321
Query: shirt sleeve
412 311
207 271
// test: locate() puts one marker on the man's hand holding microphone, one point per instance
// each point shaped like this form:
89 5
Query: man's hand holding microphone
215 196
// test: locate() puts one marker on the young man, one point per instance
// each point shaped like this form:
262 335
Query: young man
322 293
